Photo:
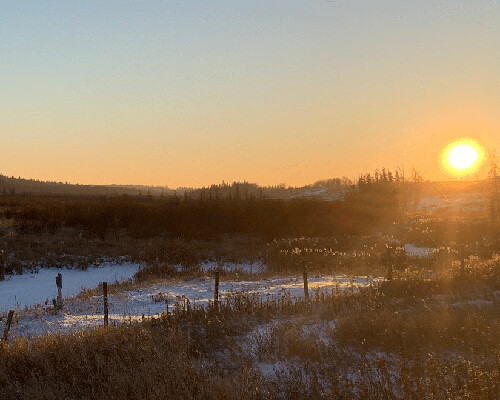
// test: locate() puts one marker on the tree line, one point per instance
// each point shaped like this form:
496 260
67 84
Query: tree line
210 213
179 217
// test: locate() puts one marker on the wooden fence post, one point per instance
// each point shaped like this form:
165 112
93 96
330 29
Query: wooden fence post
306 286
216 290
59 302
105 294
7 326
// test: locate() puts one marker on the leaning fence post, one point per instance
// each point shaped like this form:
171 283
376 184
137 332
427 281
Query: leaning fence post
216 289
306 287
105 294
7 326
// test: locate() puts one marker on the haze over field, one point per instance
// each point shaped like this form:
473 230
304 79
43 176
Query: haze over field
189 93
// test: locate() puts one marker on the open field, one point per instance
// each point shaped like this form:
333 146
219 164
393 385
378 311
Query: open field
401 305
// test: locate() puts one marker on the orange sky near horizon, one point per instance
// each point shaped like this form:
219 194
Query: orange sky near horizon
274 92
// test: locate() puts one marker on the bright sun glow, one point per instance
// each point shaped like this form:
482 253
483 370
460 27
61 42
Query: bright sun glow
463 156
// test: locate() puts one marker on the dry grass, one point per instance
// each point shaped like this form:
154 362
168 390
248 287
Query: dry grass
126 362
68 247
409 339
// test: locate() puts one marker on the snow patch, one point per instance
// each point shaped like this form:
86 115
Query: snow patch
20 291
153 300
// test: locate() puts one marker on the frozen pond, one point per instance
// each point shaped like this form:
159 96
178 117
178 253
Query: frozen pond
26 290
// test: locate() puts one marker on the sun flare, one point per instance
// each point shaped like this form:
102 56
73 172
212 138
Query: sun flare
462 156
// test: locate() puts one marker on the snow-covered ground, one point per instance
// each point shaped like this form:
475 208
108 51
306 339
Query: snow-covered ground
201 290
455 203
151 300
31 288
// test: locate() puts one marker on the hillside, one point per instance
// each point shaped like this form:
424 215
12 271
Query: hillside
12 185
331 189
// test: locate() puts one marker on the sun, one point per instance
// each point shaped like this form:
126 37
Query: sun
462 156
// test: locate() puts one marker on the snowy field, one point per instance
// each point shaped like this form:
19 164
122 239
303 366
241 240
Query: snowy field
455 203
20 291
148 300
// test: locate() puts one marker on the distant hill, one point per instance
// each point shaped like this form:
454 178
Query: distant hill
331 189
11 186
324 190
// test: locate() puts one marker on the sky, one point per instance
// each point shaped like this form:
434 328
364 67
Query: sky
190 93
